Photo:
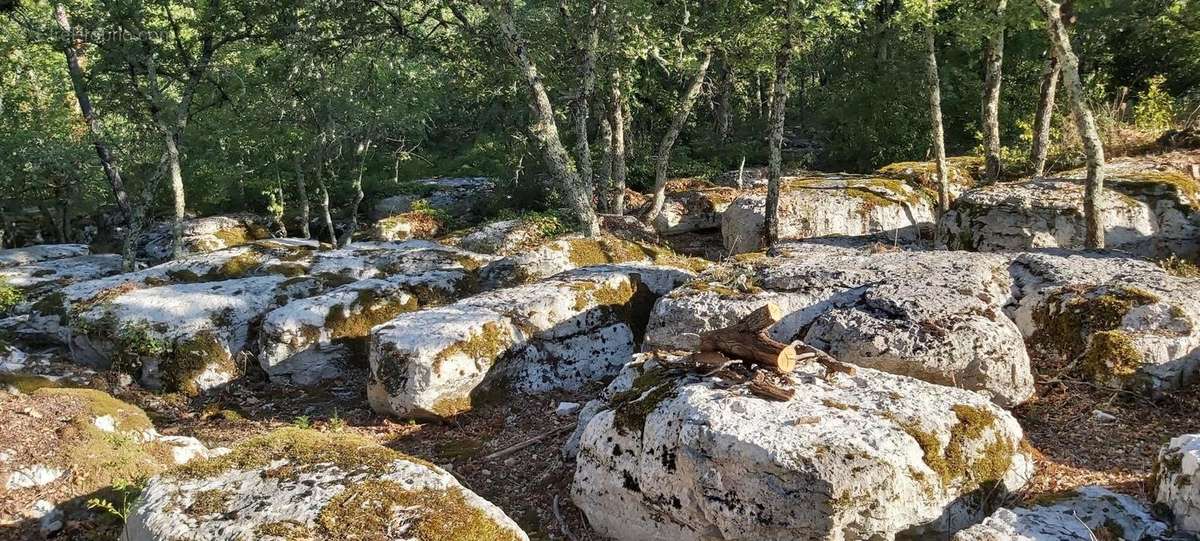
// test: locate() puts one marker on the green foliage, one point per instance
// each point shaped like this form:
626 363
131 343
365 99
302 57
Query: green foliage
127 492
10 296
302 422
1155 108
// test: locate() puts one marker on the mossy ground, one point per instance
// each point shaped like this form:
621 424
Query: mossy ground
952 464
367 510
368 309
1085 323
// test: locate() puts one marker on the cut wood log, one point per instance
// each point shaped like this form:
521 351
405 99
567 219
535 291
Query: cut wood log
760 385
747 340
831 365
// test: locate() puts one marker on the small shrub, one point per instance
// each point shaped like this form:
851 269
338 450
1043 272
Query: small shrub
1155 108
10 296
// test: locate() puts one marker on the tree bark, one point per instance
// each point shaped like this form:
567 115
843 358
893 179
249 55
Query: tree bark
993 55
723 112
606 196
663 159
783 60
1045 113
747 340
1092 145
581 105
617 108
326 216
348 236
935 109
96 131
303 196
544 128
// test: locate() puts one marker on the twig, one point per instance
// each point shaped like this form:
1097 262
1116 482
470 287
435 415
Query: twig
562 524
517 447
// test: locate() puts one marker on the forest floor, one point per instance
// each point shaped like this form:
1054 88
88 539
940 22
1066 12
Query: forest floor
1073 445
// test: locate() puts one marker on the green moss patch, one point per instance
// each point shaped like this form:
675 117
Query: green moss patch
487 344
1069 321
1111 354
632 406
366 311
951 463
192 357
301 448
26 384
366 511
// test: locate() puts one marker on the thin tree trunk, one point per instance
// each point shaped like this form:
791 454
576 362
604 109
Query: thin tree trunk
1045 113
325 214
303 195
1092 145
663 159
348 236
176 172
935 109
993 55
544 128
618 120
581 105
783 60
604 185
724 108
95 129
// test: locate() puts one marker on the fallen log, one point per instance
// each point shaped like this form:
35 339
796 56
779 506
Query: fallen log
747 340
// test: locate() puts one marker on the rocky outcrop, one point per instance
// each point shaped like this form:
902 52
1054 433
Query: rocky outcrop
830 204
181 337
1177 474
964 172
918 314
13 257
455 196
68 445
203 235
313 339
666 455
430 266
693 210
561 333
417 224
302 484
1013 216
1149 209
571 253
508 237
1087 513
1118 321
36 280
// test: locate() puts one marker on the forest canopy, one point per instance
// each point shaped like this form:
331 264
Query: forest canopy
222 106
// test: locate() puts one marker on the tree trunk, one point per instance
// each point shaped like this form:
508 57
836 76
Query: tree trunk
935 109
348 236
724 108
1084 122
1045 113
303 196
326 216
581 105
783 59
993 57
618 120
663 159
543 127
95 130
606 196
177 194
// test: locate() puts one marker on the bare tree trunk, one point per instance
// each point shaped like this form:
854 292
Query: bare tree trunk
326 216
176 172
1092 145
348 236
606 196
935 109
618 120
1045 113
783 60
581 105
96 130
303 195
544 128
993 57
663 159
724 108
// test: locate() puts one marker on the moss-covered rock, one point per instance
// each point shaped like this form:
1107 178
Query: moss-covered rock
302 484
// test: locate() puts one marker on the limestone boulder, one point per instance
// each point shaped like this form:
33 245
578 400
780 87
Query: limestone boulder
693 210
180 337
964 172
408 225
561 333
36 280
508 237
1013 216
428 266
73 444
14 257
1116 320
456 196
302 484
565 254
668 456
1177 474
830 204
310 340
203 235
1087 513
914 313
